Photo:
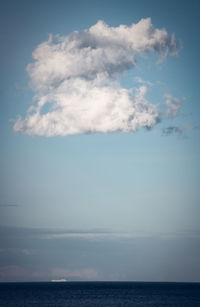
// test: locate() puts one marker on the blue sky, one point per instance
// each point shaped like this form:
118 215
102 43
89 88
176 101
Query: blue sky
135 192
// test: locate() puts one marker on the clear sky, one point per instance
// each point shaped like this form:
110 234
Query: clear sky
100 141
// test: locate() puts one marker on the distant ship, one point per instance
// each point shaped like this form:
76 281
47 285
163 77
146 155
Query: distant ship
59 280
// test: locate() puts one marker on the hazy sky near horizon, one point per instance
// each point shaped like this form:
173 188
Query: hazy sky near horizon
100 140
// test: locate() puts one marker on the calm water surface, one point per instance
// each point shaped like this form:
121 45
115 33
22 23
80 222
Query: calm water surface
105 294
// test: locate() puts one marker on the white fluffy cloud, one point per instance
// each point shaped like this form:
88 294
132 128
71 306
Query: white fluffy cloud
74 77
79 106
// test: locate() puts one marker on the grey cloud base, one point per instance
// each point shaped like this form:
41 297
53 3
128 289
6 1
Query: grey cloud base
76 76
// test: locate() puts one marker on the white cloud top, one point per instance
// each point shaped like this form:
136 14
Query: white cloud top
74 76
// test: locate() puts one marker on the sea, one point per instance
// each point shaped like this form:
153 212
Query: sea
104 294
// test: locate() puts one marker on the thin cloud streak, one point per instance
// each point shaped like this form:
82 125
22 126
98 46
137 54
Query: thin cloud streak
9 205
51 234
118 235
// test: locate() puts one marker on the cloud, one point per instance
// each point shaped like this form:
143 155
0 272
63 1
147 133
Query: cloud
15 251
143 82
80 106
5 205
173 130
115 236
180 131
84 273
173 104
93 236
101 49
15 234
75 80
69 257
16 273
12 272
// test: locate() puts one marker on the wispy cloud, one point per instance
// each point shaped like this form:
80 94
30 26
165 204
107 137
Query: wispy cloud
15 233
173 130
18 273
11 272
15 251
179 130
143 82
115 236
92 236
29 254
75 78
173 105
5 205
80 274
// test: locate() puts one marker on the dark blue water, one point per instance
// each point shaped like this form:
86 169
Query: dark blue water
105 294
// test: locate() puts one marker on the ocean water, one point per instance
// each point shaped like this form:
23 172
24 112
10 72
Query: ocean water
104 294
